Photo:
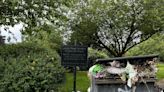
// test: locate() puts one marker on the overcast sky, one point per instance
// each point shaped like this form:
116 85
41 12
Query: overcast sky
15 34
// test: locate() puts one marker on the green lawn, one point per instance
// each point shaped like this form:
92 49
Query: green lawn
160 74
83 82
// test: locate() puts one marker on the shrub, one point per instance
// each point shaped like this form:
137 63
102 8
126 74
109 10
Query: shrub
94 54
30 68
152 46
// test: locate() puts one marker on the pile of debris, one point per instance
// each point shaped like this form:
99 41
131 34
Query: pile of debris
128 71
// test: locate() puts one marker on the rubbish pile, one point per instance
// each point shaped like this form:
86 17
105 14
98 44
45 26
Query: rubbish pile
128 71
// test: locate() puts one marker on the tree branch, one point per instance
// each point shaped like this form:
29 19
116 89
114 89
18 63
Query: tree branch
138 43
107 48
132 29
117 43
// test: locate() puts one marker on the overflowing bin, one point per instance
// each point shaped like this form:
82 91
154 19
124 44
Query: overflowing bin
124 74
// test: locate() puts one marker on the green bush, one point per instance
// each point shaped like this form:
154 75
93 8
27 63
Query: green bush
94 54
2 67
28 67
152 46
18 50
47 36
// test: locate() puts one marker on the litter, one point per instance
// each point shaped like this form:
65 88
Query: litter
129 72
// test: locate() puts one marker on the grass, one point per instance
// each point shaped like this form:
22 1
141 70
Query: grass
160 74
82 82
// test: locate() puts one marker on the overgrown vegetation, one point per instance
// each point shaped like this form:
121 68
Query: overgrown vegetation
29 67
152 46
114 25
94 54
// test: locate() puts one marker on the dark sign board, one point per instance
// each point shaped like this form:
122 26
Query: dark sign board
74 55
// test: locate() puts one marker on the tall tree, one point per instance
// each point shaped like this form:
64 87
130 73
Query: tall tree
33 13
117 25
154 45
46 36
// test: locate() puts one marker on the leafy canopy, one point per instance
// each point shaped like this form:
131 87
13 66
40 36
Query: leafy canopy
32 13
116 25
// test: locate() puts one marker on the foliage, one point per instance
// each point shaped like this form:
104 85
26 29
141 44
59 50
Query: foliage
94 54
31 12
116 25
18 50
2 67
84 33
47 36
29 67
152 46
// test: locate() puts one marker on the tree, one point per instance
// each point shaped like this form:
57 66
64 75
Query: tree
47 36
154 45
84 33
33 13
117 25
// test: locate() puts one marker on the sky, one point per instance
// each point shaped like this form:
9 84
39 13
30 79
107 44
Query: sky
15 34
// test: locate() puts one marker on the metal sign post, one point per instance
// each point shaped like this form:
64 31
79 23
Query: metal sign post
73 56
74 79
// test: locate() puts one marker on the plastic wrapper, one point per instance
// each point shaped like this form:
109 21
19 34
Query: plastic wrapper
130 73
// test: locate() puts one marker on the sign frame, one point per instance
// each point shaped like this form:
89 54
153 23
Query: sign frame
74 55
